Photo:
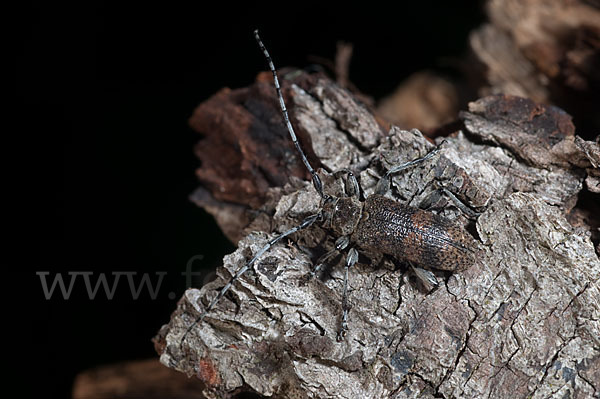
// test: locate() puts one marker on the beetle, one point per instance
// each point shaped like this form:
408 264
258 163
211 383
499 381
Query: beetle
378 224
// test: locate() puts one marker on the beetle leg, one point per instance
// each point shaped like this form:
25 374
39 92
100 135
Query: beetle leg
351 260
435 196
426 277
383 185
340 244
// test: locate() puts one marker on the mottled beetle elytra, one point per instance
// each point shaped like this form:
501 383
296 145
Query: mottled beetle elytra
377 224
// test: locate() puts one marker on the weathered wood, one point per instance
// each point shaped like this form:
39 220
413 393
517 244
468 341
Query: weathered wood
136 379
523 322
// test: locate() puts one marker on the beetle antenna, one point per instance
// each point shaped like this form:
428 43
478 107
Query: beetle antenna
315 178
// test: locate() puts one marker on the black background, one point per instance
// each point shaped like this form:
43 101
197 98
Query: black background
103 94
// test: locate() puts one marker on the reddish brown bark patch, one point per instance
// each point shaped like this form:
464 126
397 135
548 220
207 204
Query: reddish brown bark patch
208 373
246 148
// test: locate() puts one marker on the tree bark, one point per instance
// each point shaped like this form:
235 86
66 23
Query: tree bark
522 322
135 379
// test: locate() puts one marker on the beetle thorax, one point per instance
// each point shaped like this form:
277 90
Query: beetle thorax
343 215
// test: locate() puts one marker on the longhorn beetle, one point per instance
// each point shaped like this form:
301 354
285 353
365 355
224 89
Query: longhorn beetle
378 224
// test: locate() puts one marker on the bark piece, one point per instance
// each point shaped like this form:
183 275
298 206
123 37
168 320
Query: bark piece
240 127
539 135
524 318
546 50
136 379
528 129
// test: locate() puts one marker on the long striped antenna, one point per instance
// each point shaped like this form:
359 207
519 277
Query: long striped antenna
315 178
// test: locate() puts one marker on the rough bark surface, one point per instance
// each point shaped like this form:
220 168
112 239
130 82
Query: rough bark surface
522 322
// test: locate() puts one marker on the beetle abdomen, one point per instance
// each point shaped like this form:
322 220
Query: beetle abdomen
412 234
